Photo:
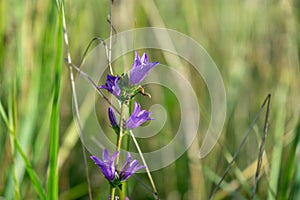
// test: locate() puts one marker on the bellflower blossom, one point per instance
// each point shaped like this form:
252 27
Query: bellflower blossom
140 68
108 168
107 164
129 168
112 118
113 121
137 117
111 85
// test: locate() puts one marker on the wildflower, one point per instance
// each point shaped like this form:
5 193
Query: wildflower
113 121
111 85
129 168
107 164
137 117
108 168
140 68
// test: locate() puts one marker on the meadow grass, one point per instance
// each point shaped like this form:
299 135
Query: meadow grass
255 46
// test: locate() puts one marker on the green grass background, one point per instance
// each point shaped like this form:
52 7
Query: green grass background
255 44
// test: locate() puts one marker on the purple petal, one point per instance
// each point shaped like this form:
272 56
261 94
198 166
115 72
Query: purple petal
107 164
112 118
105 155
137 117
111 85
137 60
127 162
144 58
129 168
140 68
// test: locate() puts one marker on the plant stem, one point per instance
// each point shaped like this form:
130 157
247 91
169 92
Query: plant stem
110 36
119 142
123 192
144 162
112 192
120 135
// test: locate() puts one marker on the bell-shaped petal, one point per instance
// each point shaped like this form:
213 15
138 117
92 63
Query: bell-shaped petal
112 118
111 85
129 168
137 117
107 164
140 68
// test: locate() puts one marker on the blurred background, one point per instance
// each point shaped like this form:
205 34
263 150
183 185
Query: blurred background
255 45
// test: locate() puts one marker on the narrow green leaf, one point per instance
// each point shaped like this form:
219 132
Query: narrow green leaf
4 117
279 103
54 133
16 146
295 191
33 177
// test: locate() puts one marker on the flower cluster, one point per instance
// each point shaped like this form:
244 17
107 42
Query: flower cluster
108 168
137 118
124 88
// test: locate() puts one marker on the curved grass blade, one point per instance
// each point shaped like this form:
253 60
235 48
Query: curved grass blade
267 100
262 145
32 175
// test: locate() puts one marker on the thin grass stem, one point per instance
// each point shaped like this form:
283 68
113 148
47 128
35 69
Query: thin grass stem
110 36
74 96
155 194
261 148
239 147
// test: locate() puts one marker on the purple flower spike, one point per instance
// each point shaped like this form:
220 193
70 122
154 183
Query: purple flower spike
137 117
112 118
107 164
140 68
129 168
111 85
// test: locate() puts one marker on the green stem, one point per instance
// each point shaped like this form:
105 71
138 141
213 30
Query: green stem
120 135
112 193
127 140
119 143
144 162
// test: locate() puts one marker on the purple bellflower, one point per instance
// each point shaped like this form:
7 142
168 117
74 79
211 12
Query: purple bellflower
112 118
111 85
108 168
137 117
113 121
129 168
107 164
140 68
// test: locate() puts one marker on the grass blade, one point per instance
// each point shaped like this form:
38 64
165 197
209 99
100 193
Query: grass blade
295 190
54 133
262 147
280 103
239 147
16 146
34 179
